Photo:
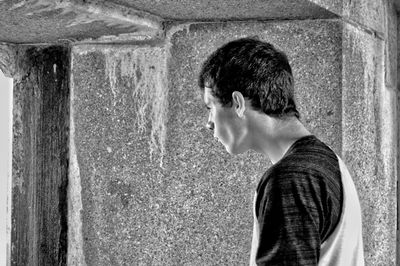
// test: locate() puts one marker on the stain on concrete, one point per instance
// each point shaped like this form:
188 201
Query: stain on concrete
145 72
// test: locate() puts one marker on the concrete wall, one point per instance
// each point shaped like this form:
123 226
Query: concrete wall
153 186
195 207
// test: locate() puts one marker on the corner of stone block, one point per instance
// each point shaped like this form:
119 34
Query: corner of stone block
8 59
172 28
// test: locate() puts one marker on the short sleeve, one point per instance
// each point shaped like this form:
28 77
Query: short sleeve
289 217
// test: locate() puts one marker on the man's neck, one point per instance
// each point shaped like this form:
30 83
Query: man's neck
273 137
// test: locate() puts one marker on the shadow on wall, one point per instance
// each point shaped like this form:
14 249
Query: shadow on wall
6 85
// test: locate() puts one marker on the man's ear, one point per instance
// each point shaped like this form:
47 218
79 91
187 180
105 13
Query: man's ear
238 103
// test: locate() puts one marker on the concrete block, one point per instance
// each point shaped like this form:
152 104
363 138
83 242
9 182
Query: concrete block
119 108
217 10
369 14
369 141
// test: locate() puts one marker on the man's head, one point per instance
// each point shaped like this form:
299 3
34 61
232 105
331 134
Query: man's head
257 70
245 74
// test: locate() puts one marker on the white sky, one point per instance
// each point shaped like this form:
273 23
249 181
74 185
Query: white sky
5 158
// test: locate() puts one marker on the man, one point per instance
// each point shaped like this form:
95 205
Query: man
306 208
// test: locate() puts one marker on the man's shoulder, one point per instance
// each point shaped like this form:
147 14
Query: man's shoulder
308 159
307 153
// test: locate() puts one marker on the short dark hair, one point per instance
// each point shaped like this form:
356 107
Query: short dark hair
256 69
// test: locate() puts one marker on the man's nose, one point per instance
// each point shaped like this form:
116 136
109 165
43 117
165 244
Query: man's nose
210 125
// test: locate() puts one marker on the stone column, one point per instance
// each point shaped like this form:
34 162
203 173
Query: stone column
370 135
40 157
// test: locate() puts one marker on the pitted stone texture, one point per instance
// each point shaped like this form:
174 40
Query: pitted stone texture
123 190
314 49
193 10
369 141
369 13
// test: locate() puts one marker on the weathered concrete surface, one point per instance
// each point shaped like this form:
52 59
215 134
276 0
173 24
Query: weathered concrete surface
195 208
369 141
54 21
40 159
368 13
8 59
391 46
217 10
